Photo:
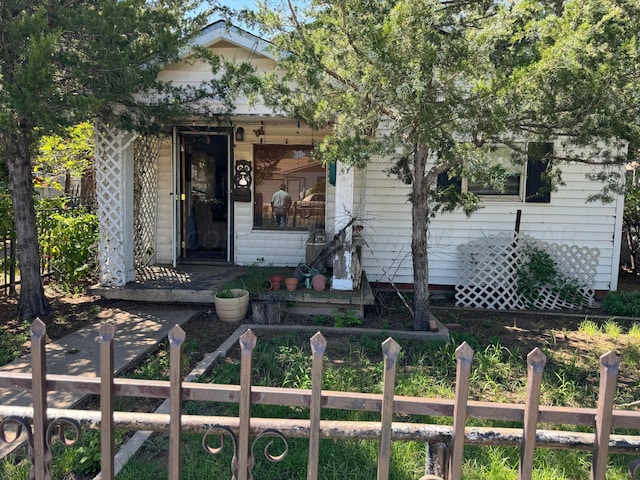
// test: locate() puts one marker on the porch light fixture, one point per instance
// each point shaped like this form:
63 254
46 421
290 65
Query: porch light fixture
239 134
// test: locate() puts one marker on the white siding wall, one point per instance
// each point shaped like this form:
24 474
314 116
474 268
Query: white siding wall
567 219
165 227
282 248
279 248
197 72
381 204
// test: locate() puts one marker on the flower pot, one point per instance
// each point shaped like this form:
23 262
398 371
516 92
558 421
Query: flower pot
276 282
234 308
291 283
319 282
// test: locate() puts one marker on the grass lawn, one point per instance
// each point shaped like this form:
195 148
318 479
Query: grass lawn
501 341
425 369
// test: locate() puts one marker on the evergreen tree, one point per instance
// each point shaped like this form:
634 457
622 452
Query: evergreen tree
64 62
431 83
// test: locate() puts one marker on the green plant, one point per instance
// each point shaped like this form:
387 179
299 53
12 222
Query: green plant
612 329
634 332
625 304
68 238
255 278
320 319
539 270
589 327
225 293
348 318
12 343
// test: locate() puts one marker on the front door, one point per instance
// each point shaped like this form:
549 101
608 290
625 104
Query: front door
204 196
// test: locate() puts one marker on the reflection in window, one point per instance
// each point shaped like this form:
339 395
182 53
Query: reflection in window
301 203
501 156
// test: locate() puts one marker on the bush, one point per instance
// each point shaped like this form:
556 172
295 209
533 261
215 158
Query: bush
631 226
540 270
625 304
68 237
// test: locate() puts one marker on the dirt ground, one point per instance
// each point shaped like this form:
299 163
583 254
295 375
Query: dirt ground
512 329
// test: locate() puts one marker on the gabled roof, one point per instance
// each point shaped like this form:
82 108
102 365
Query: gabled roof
221 31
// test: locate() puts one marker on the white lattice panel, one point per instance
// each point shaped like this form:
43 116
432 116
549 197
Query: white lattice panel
145 198
111 144
487 272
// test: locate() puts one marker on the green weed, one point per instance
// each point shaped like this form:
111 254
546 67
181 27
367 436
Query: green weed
612 329
348 318
634 332
589 327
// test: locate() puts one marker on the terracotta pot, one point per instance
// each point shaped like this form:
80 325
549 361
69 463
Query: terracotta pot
319 282
232 309
291 283
276 282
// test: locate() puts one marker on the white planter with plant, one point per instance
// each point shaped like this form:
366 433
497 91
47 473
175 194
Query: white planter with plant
231 304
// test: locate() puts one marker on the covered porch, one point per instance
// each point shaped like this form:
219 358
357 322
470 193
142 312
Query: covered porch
197 283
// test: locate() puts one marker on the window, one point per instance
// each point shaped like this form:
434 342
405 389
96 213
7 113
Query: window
289 188
502 156
527 182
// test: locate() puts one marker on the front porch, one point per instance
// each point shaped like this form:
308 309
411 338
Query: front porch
196 284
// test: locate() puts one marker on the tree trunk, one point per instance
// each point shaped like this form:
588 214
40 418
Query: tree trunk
420 220
32 302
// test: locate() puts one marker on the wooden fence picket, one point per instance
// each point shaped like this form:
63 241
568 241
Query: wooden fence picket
390 351
535 367
318 347
609 367
247 344
464 357
41 454
176 344
107 334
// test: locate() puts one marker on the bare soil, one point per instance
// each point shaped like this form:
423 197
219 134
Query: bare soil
524 330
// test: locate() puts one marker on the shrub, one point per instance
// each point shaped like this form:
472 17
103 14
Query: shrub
626 304
631 225
68 237
540 270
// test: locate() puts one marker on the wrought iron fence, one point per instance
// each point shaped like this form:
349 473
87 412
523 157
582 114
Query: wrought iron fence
446 441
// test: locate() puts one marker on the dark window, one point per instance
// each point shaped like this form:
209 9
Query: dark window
444 181
538 188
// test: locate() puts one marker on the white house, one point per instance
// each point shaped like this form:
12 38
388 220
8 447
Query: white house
203 192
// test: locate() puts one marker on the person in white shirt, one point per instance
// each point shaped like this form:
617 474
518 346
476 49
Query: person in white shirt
280 203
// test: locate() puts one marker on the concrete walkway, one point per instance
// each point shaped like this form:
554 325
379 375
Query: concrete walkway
138 331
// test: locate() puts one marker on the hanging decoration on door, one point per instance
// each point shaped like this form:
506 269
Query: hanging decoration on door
242 180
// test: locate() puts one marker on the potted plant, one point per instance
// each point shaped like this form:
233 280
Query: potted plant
231 304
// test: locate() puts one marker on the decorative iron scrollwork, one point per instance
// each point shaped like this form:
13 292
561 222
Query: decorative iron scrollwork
18 423
267 453
59 428
634 468
221 431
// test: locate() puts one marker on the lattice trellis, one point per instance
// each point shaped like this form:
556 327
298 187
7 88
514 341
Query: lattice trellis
111 145
145 198
487 270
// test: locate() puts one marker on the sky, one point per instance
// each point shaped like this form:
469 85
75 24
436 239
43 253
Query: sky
237 3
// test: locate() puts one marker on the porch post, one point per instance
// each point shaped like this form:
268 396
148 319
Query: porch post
342 278
114 192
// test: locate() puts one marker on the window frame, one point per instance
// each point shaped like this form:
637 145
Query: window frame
262 216
529 187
